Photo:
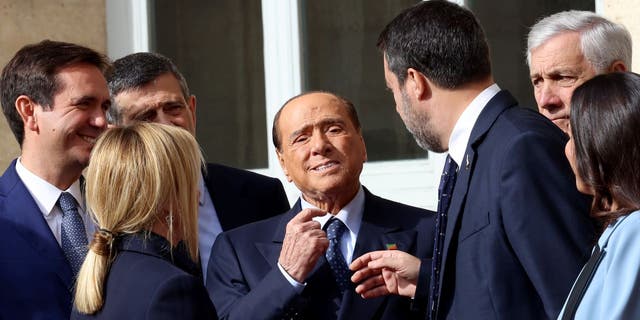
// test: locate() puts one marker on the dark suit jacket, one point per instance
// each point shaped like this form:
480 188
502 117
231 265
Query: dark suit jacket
35 277
144 282
241 196
245 283
518 231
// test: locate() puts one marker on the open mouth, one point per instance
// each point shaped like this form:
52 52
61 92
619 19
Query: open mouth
89 139
325 166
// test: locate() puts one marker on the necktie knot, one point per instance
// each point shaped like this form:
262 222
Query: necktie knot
67 203
335 229
448 177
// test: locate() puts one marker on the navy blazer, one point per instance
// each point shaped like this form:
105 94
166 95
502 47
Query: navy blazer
146 282
242 196
245 282
35 278
518 231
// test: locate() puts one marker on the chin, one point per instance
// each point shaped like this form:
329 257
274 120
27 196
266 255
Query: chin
584 188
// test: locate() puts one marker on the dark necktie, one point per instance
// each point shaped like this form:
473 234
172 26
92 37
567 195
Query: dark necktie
335 229
447 181
73 235
581 284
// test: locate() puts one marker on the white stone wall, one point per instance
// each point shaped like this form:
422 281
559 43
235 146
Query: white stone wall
625 12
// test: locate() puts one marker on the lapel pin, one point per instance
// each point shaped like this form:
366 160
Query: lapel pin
391 246
466 166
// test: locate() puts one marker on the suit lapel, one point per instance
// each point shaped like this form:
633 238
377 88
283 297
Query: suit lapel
376 232
270 251
23 211
488 116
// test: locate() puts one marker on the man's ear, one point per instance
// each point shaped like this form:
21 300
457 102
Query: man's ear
364 146
192 106
417 85
26 109
283 166
617 66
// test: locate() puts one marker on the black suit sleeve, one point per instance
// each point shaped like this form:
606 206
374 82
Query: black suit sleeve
421 299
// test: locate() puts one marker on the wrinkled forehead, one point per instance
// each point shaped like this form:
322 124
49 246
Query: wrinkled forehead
152 95
313 108
563 51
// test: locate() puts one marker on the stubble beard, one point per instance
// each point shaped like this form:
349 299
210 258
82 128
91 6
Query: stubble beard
419 125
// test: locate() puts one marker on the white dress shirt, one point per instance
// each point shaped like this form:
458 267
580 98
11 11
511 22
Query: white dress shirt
46 196
351 216
208 226
462 130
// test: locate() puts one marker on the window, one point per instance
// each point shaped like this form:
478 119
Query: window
339 54
217 45
506 24
243 59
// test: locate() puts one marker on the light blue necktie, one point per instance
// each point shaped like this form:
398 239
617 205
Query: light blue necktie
74 236
342 274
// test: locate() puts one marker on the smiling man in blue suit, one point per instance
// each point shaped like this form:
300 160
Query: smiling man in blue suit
513 231
54 96
294 266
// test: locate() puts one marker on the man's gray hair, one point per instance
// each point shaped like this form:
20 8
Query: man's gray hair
602 41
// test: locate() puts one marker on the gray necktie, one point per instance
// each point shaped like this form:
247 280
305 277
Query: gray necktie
74 236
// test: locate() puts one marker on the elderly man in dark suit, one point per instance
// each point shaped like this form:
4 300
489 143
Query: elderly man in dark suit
54 96
512 230
295 265
149 87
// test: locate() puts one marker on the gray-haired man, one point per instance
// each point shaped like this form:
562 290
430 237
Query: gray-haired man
568 48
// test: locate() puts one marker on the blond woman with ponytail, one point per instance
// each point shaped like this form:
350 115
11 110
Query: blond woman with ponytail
141 188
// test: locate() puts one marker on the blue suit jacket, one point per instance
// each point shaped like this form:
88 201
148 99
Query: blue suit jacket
241 196
245 283
518 231
146 282
35 277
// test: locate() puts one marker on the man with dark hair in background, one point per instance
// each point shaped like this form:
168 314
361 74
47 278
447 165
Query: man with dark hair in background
512 230
54 96
149 87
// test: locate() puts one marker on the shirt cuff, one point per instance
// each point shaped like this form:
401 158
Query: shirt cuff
296 285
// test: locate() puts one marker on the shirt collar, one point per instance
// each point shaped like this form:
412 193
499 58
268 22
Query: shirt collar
350 215
45 194
462 130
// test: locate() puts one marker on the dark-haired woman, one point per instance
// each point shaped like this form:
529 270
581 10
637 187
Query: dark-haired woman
604 153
